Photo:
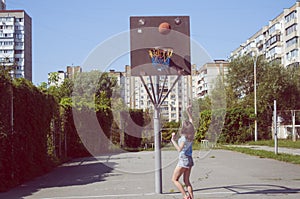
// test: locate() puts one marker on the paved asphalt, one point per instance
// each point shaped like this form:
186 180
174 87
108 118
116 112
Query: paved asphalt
216 174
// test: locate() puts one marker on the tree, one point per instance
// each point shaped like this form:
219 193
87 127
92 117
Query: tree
104 91
53 78
167 130
93 89
273 82
43 87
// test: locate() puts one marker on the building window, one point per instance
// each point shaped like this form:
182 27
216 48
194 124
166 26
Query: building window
18 27
292 41
6 43
259 38
18 75
19 36
292 54
6 51
273 28
19 43
6 35
290 16
18 51
273 51
291 29
273 40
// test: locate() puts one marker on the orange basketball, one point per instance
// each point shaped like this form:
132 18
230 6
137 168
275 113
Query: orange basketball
164 28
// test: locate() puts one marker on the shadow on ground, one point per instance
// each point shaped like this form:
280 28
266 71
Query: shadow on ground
77 172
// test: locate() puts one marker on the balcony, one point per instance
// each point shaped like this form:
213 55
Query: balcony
4 36
291 47
291 35
275 44
259 44
20 63
19 55
7 47
276 32
7 23
202 76
291 22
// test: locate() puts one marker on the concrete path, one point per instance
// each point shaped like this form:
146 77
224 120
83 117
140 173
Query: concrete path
216 174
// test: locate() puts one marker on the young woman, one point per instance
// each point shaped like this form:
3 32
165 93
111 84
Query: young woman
185 162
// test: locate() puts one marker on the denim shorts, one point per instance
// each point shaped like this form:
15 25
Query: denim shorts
185 161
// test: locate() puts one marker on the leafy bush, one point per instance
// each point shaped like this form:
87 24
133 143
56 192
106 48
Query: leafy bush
238 127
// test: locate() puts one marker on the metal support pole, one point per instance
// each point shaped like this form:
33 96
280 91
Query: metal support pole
157 100
293 126
148 92
12 129
275 128
157 141
12 121
255 105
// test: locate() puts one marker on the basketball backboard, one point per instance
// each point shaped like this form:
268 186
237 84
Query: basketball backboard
148 33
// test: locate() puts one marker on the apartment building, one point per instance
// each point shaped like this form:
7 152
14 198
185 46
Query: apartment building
3 5
57 78
120 77
197 85
277 41
205 77
16 42
72 71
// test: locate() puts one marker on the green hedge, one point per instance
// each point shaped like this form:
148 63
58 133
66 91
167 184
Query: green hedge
134 122
44 133
24 148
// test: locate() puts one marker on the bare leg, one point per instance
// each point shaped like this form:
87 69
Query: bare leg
175 178
186 179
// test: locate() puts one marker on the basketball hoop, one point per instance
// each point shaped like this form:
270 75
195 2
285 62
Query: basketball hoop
160 57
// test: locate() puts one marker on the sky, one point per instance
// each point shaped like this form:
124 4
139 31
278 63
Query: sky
65 32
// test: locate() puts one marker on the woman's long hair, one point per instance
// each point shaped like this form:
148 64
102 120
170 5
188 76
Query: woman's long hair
188 130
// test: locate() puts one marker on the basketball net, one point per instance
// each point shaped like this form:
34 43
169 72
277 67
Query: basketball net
160 57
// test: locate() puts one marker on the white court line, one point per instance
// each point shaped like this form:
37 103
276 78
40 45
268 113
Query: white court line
212 193
207 193
134 195
103 196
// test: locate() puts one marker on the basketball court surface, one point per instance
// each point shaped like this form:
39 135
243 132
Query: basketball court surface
216 174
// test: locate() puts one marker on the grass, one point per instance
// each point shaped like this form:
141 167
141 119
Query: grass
295 159
281 143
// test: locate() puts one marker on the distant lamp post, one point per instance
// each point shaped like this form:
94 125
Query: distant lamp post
254 56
